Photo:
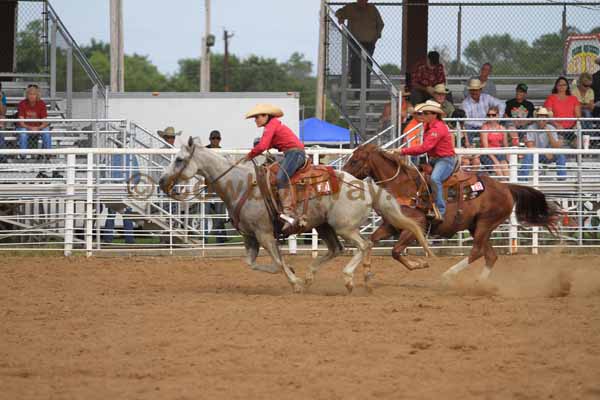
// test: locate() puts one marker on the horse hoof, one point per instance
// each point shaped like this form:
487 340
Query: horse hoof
298 287
309 280
368 276
349 286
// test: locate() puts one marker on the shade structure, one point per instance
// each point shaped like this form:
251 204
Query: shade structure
316 131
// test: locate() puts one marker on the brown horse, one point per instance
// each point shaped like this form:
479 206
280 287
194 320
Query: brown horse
480 215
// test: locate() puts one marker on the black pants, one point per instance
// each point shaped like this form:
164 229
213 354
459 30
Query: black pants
355 61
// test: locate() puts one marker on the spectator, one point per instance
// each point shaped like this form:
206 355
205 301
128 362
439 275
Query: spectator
596 87
495 137
124 169
425 76
169 135
405 110
487 85
440 94
546 138
33 107
471 160
476 105
413 135
365 24
562 104
519 107
585 94
215 206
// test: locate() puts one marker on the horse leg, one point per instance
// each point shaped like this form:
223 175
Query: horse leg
270 244
252 249
405 239
362 246
490 259
480 237
334 249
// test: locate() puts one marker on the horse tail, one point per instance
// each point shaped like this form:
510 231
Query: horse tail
532 208
386 206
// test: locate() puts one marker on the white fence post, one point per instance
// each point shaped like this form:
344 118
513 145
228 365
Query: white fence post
70 205
89 206
513 161
314 244
536 185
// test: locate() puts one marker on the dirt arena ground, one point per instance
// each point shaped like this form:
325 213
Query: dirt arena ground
193 328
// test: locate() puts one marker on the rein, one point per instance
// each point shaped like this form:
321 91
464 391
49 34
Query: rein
197 192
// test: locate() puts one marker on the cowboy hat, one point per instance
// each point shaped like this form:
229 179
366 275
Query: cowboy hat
475 84
267 109
543 111
440 88
169 132
430 105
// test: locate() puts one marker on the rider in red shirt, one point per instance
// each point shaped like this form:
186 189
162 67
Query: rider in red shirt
438 143
279 136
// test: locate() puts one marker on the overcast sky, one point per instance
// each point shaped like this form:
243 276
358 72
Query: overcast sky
167 31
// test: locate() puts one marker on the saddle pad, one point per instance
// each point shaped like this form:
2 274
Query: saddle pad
321 179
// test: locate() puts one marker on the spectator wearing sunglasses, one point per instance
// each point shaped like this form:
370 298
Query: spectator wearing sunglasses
33 107
493 135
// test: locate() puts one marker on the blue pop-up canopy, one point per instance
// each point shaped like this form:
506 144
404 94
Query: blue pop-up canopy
314 130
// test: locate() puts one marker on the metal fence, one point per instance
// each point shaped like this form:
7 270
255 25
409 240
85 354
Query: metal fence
524 39
104 200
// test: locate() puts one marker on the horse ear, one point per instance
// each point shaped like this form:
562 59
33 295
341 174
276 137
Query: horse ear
190 141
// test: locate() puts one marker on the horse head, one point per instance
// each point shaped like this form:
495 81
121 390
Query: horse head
359 164
183 167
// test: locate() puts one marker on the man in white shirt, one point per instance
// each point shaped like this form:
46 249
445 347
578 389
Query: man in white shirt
477 104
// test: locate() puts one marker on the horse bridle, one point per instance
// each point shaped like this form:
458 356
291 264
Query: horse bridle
388 179
179 175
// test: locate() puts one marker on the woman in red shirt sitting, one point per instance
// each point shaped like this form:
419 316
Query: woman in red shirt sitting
438 143
33 107
563 104
279 136
495 138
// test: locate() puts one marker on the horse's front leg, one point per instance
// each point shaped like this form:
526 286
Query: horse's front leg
267 241
252 249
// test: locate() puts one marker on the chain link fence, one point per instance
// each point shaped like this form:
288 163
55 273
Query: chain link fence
524 39
31 47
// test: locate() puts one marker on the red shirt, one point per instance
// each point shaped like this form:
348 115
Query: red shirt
37 111
276 135
562 109
495 139
437 142
426 76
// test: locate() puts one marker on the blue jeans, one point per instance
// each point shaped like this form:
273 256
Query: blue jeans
585 113
292 162
23 138
109 227
559 159
442 169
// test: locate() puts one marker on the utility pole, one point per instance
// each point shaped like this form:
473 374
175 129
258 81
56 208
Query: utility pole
207 42
226 37
117 54
320 98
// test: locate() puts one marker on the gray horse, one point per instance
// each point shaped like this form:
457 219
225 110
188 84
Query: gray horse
341 214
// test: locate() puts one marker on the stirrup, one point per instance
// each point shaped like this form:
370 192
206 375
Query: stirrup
435 214
287 219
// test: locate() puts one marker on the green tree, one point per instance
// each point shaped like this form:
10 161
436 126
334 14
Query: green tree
391 69
30 49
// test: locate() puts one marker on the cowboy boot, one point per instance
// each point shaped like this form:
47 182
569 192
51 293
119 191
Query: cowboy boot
288 215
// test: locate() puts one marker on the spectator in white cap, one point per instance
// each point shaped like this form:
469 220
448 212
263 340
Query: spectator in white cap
487 85
477 104
543 135
440 94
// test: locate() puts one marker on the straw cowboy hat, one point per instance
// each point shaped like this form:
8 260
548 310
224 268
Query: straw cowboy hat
440 88
169 132
267 109
475 84
430 105
543 111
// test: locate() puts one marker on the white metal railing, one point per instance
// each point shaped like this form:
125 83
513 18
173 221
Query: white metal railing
70 212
